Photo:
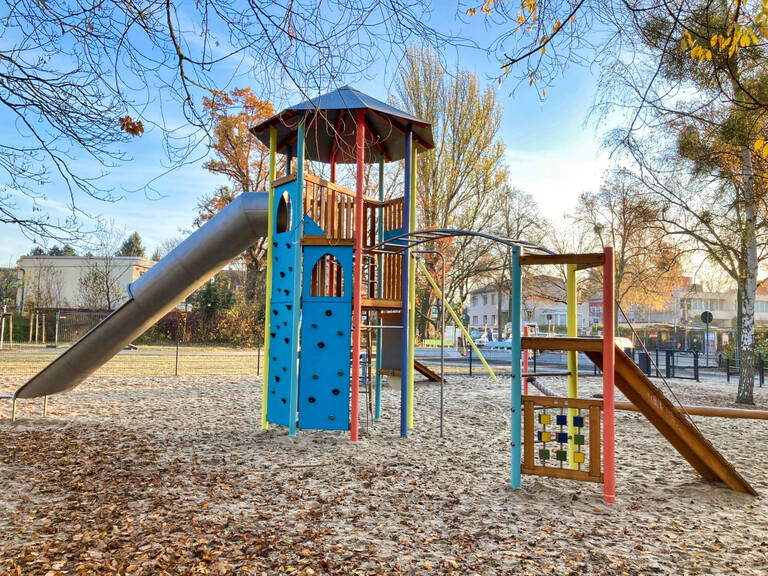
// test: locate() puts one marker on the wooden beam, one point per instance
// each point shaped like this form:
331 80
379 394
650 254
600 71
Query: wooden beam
578 344
317 240
382 303
376 139
567 473
424 144
283 180
562 402
713 411
582 261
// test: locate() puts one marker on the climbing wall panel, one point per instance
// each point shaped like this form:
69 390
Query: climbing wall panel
283 316
324 384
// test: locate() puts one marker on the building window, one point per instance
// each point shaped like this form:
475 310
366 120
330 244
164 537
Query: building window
493 319
474 320
485 319
493 298
485 299
761 306
474 300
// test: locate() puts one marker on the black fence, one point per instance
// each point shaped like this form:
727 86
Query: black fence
655 362
732 369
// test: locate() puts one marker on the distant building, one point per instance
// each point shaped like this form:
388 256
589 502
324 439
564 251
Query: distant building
55 281
543 304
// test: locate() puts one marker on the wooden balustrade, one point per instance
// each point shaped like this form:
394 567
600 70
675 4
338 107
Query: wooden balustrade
332 207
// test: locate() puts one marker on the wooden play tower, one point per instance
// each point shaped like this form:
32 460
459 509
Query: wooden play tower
325 283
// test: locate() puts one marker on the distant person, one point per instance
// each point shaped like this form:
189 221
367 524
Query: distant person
489 336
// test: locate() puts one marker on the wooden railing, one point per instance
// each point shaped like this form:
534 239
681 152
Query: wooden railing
332 207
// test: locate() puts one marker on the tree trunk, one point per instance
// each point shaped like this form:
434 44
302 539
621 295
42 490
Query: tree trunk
747 286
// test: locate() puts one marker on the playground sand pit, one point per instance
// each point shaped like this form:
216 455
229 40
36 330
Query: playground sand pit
174 475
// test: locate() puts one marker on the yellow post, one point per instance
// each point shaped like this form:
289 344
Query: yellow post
573 357
268 296
455 317
412 296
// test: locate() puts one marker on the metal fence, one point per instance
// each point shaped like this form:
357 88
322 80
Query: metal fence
656 363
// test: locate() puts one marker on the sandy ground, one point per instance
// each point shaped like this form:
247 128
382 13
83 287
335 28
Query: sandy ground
174 475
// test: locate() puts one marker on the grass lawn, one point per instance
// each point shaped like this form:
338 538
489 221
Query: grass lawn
147 361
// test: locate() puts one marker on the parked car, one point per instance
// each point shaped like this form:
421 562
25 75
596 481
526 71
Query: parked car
480 340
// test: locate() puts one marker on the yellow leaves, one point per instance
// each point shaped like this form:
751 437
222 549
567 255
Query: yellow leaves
761 147
471 12
557 25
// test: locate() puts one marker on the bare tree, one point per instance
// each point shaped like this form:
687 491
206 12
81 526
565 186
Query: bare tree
518 216
99 285
122 68
647 261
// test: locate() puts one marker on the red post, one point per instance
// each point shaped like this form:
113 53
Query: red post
525 362
357 282
609 361
333 169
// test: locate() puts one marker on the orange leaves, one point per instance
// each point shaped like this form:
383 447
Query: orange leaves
131 126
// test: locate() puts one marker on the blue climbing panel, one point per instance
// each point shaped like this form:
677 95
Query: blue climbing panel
326 343
284 315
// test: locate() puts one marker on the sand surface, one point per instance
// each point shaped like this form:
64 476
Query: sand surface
174 475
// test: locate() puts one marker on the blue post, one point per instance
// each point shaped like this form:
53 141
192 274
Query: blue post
404 361
296 214
517 380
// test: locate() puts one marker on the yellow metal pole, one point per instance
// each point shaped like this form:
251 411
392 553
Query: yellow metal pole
412 296
455 317
573 358
268 296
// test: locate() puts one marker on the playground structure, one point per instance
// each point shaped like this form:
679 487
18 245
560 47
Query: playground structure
341 292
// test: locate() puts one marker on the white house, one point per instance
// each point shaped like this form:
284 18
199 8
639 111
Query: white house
58 281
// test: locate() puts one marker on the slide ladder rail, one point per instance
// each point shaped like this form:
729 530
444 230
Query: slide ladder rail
673 423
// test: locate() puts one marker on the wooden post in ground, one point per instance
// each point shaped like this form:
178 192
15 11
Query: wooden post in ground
609 363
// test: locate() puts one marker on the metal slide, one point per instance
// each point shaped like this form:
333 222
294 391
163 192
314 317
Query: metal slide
673 423
154 294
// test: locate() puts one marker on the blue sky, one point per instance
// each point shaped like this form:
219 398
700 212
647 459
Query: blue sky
551 154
